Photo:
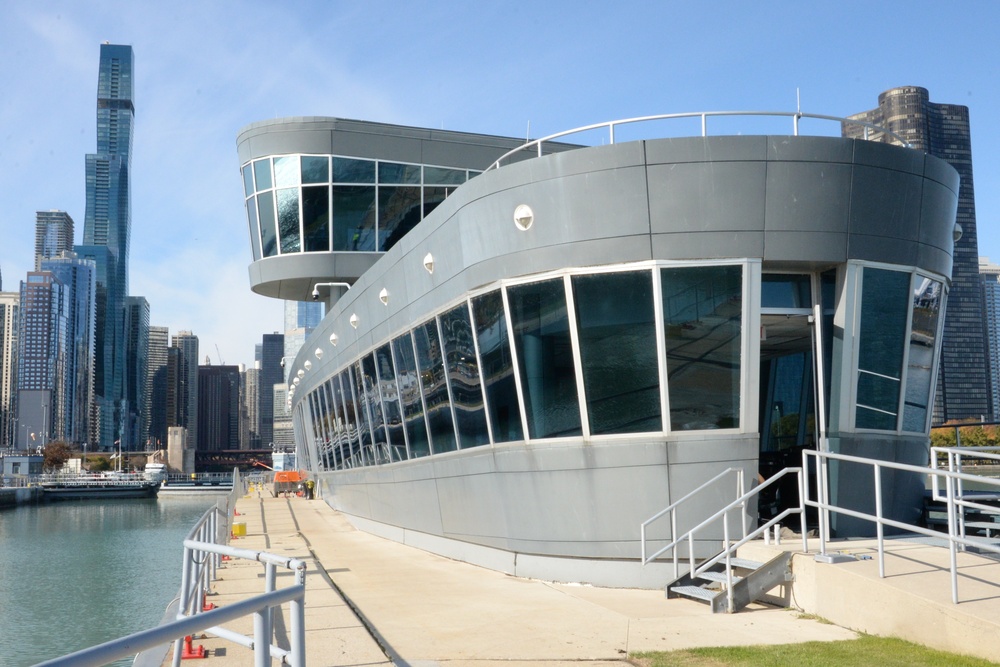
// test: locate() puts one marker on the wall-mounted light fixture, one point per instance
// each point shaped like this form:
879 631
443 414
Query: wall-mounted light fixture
383 296
301 373
429 262
354 320
318 353
333 339
308 365
523 217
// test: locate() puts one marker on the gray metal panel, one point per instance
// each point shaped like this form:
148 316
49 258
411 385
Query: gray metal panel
808 196
938 206
700 197
882 249
706 149
812 247
885 202
707 245
877 154
809 149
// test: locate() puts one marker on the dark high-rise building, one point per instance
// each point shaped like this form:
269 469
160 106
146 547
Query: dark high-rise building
157 388
136 431
271 373
250 408
53 235
185 385
218 408
942 130
10 309
107 226
43 340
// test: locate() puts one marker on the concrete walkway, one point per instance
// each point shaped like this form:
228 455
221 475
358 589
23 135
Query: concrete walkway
372 601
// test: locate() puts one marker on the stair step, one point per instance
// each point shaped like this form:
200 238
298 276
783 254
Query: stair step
717 576
743 563
695 592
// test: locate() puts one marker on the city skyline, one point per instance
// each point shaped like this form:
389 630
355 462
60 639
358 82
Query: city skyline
584 67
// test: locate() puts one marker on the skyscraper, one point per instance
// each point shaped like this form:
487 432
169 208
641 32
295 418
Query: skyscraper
301 318
186 384
107 226
136 361
271 373
156 388
218 408
989 275
250 408
53 235
43 339
942 130
9 315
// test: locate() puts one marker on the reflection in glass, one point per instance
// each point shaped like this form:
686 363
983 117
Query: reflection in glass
248 180
542 339
784 290
442 176
352 439
268 233
398 213
288 219
286 172
885 300
702 315
348 170
463 374
364 416
394 172
390 402
434 387
316 218
354 217
433 197
315 169
254 229
497 367
409 390
920 361
380 443
262 174
617 332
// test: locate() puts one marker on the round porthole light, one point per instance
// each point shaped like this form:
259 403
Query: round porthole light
308 365
956 233
301 373
296 381
429 262
354 320
523 217
383 296
319 353
333 339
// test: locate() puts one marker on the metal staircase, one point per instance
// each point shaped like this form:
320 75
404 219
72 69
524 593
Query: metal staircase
748 580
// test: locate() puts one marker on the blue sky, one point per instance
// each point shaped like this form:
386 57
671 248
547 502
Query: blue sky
206 69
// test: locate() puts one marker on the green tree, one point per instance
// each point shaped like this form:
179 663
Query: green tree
98 463
56 454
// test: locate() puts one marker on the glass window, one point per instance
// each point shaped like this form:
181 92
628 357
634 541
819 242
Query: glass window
380 443
617 332
433 197
364 418
352 440
434 387
409 390
316 218
254 230
394 172
497 367
268 232
354 217
783 290
390 402
315 169
548 378
288 220
286 172
463 372
248 179
398 213
262 174
920 361
885 300
348 170
702 316
442 176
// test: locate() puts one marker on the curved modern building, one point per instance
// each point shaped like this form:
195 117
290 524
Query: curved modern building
536 355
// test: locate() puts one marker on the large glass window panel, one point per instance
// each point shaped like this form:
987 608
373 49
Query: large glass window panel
497 367
409 391
268 226
288 220
434 387
403 174
443 176
548 377
385 371
398 213
345 409
782 290
248 179
702 318
617 334
920 361
315 169
885 300
364 416
433 197
254 229
463 373
262 174
316 218
354 215
286 172
380 442
349 170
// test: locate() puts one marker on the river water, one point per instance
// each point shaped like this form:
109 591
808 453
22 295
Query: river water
78 573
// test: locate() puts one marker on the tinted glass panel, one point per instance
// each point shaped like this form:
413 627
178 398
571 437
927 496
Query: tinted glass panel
315 169
380 449
409 389
463 373
617 332
885 299
254 230
919 365
268 233
288 219
434 387
286 172
352 442
442 176
702 315
390 402
548 379
354 217
316 218
364 416
248 180
347 170
497 367
262 174
398 213
778 290
393 172
433 197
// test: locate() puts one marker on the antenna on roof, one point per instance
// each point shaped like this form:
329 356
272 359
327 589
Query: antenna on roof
798 101
527 134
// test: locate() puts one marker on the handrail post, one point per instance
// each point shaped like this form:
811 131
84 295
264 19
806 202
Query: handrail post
262 638
297 612
730 601
704 125
952 545
879 528
269 586
611 132
803 528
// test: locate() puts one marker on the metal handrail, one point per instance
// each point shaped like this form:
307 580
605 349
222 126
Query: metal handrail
537 144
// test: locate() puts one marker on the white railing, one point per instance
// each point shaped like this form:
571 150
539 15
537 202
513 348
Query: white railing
536 146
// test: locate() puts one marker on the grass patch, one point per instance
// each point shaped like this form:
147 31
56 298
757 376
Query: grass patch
865 650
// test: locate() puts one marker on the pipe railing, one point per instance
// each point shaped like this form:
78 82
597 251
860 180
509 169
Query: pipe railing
536 146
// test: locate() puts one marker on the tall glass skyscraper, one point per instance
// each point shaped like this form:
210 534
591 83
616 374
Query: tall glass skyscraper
53 235
107 226
942 130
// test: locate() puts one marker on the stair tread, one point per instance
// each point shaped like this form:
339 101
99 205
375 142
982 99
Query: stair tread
695 592
717 576
744 563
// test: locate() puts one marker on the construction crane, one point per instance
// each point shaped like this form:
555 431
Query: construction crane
219 355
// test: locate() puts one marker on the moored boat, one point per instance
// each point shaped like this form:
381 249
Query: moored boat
103 486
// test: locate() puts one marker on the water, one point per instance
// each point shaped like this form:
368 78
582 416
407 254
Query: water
78 573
